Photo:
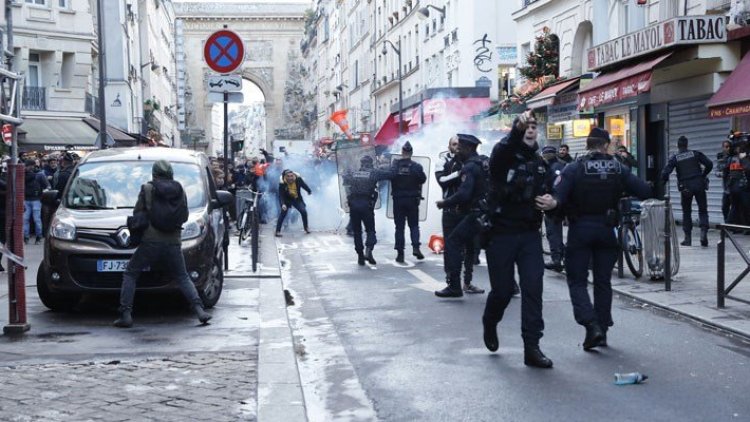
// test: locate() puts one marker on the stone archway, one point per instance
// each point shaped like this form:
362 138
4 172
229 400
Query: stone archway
271 32
581 43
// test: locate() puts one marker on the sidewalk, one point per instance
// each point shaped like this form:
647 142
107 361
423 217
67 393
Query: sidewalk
694 292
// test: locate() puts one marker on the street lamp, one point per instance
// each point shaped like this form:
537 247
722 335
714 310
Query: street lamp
424 12
400 83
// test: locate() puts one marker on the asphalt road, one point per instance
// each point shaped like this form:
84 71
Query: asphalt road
374 342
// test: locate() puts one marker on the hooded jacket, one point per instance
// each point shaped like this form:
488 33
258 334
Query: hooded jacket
285 197
164 183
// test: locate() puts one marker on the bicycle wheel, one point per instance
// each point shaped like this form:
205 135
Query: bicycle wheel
244 226
254 239
633 248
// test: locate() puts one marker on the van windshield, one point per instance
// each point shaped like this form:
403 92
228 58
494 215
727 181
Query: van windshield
112 185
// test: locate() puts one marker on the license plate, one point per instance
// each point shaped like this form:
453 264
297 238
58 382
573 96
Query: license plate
111 265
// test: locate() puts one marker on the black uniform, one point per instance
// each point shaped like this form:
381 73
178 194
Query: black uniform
449 179
589 191
459 243
362 194
738 184
517 176
692 183
406 189
552 222
722 162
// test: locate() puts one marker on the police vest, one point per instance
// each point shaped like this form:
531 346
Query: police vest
737 178
482 172
361 183
597 187
524 181
688 165
405 183
451 166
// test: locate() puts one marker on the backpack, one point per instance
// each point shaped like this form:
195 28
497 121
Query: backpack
167 212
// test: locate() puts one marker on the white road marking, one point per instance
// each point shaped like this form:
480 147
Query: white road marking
426 282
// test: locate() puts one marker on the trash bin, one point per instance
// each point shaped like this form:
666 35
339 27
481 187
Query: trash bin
652 226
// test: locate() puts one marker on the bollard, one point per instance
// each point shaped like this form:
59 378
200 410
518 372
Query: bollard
667 245
17 322
720 268
620 267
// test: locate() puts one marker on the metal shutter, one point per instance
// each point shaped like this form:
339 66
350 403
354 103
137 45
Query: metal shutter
577 145
690 118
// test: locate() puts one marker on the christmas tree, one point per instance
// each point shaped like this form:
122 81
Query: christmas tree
545 59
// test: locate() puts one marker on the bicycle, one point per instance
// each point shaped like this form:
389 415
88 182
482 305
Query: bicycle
248 222
628 235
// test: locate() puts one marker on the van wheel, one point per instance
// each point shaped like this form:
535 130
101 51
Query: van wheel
211 291
58 302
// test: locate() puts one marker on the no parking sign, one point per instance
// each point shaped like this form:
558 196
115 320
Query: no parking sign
224 51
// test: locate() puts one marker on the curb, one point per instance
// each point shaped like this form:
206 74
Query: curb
703 321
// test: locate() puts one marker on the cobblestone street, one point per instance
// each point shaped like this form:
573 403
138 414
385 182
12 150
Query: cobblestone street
206 386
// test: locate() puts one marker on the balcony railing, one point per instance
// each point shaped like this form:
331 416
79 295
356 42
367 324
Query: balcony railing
528 2
34 98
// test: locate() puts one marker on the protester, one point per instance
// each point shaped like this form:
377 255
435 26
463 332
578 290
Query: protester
35 184
290 195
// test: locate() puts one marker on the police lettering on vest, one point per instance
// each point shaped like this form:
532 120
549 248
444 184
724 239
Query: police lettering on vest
688 166
598 188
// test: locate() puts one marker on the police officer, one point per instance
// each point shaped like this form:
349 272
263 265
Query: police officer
693 182
464 202
553 223
406 189
722 163
517 179
589 191
449 179
362 194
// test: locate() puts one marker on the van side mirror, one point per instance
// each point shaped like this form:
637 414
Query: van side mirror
50 199
223 198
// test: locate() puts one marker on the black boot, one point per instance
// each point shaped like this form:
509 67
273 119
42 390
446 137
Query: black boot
417 253
360 258
594 336
688 240
369 257
125 320
202 315
533 356
449 292
603 343
400 256
704 237
490 336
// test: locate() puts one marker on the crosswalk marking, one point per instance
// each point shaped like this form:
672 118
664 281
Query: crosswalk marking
426 282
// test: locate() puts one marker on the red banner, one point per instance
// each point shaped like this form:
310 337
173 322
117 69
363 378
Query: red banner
617 91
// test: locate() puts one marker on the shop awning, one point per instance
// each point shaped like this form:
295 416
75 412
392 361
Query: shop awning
733 98
388 133
547 96
458 110
120 137
55 134
619 85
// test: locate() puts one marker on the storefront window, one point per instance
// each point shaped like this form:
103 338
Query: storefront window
618 126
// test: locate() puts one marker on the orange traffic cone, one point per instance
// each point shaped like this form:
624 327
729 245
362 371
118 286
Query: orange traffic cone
339 117
436 243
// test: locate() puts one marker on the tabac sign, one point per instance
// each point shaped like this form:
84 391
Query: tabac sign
677 31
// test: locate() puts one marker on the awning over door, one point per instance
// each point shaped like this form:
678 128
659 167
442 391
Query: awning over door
733 98
54 134
121 138
619 85
547 96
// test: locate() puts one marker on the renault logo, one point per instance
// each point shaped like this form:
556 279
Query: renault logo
123 237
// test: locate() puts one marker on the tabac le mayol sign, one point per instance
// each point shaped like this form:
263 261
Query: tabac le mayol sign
676 31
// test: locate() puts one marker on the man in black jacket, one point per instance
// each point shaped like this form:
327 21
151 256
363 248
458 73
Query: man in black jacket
406 189
158 246
290 195
517 179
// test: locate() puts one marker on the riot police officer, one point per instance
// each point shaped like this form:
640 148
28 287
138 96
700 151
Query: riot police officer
693 182
517 179
722 162
362 194
589 191
406 189
553 223
464 202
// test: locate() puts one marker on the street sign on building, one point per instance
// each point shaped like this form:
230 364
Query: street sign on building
224 51
232 97
225 83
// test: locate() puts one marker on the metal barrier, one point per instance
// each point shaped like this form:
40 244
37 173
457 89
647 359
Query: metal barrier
722 292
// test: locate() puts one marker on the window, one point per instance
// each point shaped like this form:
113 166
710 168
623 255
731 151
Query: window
63 4
67 70
34 78
42 2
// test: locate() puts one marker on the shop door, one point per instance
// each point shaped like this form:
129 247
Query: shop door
655 155
690 118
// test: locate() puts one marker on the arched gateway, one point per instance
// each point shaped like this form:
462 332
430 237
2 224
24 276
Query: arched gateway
271 33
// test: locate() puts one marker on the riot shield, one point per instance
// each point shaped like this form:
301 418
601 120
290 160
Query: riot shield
423 205
348 156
